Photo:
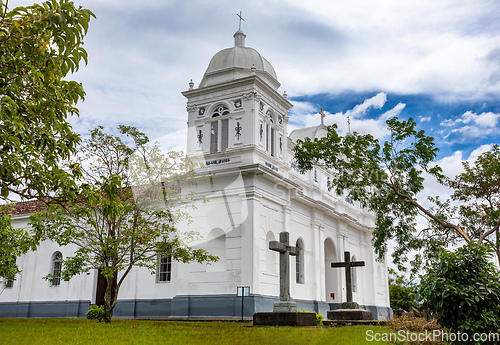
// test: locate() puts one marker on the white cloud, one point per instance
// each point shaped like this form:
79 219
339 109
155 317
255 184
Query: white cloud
472 125
488 119
393 112
376 102
305 114
452 166
477 152
173 141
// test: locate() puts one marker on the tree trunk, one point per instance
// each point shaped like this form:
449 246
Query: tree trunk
108 300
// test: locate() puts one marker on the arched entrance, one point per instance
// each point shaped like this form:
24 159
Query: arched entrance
331 275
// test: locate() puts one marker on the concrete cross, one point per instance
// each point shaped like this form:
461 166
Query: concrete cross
241 18
347 264
285 251
322 114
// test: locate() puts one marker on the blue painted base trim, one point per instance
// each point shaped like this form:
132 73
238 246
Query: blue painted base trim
219 306
44 309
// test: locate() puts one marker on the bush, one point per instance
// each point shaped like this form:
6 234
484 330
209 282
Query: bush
463 290
402 293
402 298
96 312
319 317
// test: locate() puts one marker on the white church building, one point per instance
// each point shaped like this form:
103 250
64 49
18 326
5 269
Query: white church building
237 126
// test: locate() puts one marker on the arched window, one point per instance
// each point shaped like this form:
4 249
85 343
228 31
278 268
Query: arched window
217 246
354 276
219 130
270 133
164 268
299 262
56 269
270 254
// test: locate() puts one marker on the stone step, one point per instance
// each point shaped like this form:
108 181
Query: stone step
349 314
334 323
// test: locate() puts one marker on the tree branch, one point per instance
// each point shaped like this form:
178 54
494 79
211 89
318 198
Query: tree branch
412 202
489 232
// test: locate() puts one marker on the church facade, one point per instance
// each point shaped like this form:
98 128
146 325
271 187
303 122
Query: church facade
237 127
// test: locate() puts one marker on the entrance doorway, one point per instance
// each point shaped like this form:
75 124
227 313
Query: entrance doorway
101 288
331 275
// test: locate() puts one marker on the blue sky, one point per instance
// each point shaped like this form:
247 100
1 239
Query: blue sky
455 125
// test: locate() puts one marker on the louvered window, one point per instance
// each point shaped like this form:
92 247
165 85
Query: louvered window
224 135
214 136
219 130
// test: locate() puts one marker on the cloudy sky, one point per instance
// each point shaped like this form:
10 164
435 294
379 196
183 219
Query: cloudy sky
435 61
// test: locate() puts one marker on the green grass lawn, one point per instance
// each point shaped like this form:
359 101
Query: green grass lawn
82 331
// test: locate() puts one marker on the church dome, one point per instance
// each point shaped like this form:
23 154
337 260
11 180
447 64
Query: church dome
316 132
239 62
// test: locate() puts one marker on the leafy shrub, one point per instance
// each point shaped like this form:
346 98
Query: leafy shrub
402 292
319 317
402 298
463 290
96 312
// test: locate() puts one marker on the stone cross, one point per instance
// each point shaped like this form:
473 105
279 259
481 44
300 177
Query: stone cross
322 114
285 251
347 264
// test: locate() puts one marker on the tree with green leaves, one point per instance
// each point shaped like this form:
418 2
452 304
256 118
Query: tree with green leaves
13 243
125 211
39 46
386 176
402 292
462 289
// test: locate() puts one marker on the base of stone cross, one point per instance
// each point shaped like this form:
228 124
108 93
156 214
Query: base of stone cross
349 305
349 314
284 319
284 307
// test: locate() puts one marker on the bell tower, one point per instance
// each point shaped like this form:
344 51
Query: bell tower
237 109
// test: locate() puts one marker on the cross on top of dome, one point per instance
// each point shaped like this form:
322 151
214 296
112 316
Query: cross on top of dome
241 18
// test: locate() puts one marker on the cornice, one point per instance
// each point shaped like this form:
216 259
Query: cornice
250 80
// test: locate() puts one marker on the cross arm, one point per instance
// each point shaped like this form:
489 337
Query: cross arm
338 264
282 248
277 246
357 263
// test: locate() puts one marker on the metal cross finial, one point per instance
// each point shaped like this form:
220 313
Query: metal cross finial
241 18
322 113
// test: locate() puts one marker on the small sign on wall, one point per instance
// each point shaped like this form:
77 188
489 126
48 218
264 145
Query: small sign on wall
332 295
243 291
